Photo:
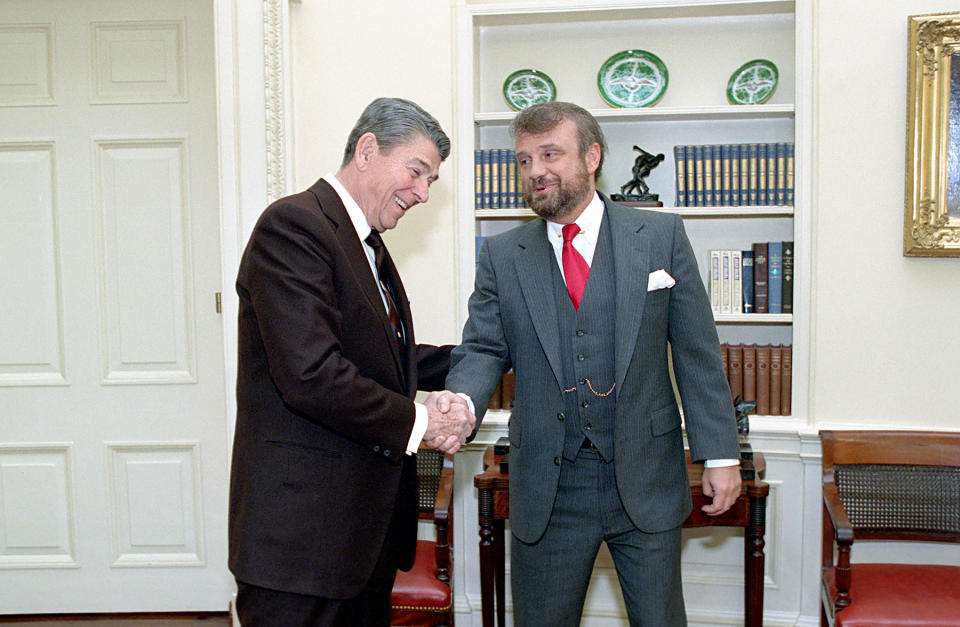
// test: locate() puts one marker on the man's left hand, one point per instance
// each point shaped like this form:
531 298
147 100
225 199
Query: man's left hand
723 484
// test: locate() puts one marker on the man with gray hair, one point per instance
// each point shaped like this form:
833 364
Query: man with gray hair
323 485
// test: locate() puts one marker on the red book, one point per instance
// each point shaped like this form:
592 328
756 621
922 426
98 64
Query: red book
750 372
735 372
786 380
763 380
776 353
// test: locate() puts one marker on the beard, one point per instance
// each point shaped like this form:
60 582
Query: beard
567 197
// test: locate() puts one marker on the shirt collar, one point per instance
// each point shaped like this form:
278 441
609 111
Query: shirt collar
357 217
588 221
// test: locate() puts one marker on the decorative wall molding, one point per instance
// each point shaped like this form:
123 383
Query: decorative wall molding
275 96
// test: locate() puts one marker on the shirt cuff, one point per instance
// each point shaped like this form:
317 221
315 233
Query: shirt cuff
469 400
717 463
419 428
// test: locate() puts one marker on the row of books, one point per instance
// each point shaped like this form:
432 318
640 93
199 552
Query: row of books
759 280
762 374
734 175
496 181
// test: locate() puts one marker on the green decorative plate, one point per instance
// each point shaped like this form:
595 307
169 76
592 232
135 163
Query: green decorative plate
528 87
753 82
632 78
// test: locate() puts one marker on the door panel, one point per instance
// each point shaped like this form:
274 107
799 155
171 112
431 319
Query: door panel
113 435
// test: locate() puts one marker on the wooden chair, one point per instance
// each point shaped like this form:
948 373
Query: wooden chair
889 485
422 596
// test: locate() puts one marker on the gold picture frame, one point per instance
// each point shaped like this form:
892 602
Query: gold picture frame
931 225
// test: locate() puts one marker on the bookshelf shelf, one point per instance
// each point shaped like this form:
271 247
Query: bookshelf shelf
687 212
753 318
659 114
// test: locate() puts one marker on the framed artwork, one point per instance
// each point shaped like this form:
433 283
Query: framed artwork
931 225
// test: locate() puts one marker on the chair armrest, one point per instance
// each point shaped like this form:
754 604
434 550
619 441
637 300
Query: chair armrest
843 530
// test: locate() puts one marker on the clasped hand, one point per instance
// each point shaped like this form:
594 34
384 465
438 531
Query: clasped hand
450 421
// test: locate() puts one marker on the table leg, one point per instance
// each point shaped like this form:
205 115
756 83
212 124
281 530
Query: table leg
487 559
499 571
753 562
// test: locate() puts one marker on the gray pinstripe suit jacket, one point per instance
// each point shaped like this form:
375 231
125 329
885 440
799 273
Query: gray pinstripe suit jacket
513 322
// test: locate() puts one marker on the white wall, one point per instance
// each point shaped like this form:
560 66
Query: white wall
885 332
345 54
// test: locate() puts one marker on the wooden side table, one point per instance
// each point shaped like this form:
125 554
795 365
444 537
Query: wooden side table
749 512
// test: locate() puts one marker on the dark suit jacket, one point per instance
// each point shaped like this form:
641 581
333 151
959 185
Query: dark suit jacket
513 322
324 407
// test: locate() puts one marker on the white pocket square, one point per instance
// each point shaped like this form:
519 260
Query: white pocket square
660 280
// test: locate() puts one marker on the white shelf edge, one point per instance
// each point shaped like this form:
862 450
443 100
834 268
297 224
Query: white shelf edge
754 318
718 112
577 6
689 212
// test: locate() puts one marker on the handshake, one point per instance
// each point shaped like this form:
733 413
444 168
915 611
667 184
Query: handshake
450 421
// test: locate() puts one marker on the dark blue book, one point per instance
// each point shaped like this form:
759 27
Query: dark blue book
477 179
691 176
717 176
485 175
735 174
787 277
781 173
788 185
775 277
725 185
761 174
680 167
772 174
701 178
751 174
746 275
709 199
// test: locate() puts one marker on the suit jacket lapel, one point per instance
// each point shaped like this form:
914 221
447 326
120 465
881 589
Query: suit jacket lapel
534 263
332 207
631 254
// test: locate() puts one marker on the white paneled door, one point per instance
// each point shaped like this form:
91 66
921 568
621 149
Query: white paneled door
113 436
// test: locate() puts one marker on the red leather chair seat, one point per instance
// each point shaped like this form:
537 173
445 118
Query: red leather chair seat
418 590
901 595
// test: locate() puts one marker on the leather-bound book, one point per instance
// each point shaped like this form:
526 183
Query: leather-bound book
760 289
725 357
508 387
786 380
495 399
735 370
763 380
776 353
750 372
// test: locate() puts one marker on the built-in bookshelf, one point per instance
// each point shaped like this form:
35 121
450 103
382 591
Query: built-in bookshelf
701 42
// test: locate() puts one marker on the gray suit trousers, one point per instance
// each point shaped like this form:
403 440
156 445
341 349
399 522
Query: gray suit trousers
549 578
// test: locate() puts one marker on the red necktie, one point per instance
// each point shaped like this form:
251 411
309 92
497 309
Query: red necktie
575 268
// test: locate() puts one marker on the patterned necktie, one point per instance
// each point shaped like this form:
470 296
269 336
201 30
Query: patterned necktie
575 268
379 255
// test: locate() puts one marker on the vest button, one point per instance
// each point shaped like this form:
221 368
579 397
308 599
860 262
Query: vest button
560 416
556 461
585 404
588 426
580 332
583 381
580 357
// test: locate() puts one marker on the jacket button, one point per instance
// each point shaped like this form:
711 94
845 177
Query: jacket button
580 357
560 416
556 461
579 332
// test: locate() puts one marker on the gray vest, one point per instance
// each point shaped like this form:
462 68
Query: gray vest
587 349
